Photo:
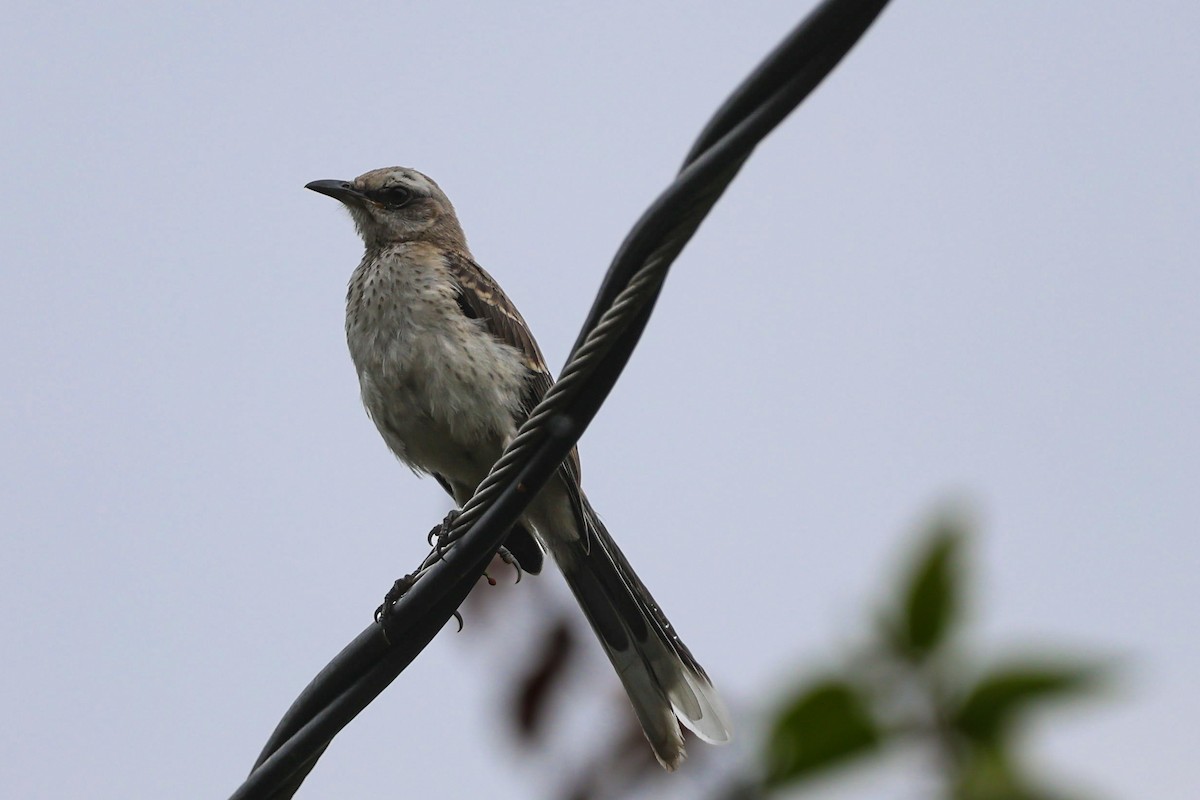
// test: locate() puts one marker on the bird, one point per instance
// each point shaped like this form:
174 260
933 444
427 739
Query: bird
448 370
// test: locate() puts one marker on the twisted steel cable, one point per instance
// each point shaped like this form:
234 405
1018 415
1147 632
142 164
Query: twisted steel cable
615 323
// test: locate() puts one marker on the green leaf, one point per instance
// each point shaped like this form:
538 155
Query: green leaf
988 774
1002 696
931 601
826 724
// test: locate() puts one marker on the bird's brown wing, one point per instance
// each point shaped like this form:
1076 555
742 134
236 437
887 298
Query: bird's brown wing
480 297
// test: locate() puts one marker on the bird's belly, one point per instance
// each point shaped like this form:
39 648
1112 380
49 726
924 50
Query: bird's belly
444 404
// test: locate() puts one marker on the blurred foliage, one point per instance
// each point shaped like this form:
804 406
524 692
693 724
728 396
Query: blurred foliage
930 600
831 706
915 687
1006 694
912 684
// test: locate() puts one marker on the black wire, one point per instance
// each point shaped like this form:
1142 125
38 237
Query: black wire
825 29
377 655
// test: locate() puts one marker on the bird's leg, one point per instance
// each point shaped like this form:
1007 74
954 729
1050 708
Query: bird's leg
439 535
508 558
437 540
398 590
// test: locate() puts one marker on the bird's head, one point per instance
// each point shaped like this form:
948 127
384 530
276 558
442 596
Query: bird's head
396 204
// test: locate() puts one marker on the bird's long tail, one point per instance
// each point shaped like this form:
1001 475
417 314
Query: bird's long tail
662 678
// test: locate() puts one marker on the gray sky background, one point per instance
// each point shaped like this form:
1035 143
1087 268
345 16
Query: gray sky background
966 268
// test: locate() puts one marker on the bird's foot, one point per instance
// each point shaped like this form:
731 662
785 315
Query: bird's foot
508 558
439 535
398 590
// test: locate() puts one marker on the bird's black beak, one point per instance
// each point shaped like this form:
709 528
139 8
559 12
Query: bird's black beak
338 190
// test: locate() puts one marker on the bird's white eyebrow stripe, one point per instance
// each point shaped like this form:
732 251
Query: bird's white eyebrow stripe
417 181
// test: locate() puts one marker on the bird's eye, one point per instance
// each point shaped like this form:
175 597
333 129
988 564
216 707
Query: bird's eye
395 197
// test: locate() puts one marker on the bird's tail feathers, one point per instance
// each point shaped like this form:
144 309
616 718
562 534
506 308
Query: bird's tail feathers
662 678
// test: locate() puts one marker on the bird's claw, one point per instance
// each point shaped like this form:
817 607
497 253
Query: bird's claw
508 558
398 590
439 535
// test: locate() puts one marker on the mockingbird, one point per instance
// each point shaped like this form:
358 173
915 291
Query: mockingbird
448 371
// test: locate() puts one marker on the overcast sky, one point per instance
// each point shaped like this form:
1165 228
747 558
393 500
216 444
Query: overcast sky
965 268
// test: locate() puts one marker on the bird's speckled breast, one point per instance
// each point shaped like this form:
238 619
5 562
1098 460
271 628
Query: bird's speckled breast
430 376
